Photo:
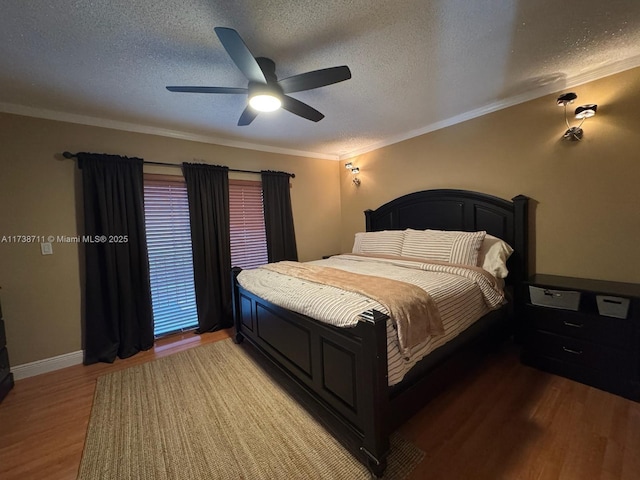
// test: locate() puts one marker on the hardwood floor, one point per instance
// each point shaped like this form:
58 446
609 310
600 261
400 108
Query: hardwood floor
504 421
43 420
512 422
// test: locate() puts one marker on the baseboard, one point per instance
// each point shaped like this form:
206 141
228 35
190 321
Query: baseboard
47 365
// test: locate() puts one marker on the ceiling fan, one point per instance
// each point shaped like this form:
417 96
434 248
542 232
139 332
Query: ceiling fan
267 93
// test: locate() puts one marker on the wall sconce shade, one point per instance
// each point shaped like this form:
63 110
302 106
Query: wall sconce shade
586 111
581 113
566 98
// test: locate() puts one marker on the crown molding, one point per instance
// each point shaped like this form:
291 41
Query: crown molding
575 81
163 132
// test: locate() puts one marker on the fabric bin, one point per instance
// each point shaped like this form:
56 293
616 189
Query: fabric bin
546 297
612 306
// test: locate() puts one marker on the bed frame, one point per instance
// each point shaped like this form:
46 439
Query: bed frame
341 373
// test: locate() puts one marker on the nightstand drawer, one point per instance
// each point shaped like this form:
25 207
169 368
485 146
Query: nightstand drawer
582 353
610 331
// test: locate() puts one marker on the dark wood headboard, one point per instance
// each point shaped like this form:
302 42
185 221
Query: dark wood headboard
461 210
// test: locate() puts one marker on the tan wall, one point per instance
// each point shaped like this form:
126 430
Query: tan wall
586 194
41 295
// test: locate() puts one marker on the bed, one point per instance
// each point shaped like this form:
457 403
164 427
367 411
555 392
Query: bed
341 374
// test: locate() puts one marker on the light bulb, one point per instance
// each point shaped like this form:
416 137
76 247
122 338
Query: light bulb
265 103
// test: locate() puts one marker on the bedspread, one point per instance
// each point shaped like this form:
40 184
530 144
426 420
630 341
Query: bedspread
414 312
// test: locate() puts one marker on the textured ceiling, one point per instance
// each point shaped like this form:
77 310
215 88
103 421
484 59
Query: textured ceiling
417 64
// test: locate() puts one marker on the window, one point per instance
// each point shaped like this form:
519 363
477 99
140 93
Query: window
166 211
248 237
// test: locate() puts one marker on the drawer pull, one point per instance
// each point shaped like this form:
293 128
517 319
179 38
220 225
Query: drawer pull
574 325
575 352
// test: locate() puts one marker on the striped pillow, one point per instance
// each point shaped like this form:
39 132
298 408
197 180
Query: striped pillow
386 242
444 246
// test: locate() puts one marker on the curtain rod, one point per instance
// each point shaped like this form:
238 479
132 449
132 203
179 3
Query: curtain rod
176 165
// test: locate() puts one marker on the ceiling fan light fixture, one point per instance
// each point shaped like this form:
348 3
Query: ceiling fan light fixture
265 102
265 92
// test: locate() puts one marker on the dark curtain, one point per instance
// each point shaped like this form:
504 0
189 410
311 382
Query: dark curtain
208 195
278 217
118 312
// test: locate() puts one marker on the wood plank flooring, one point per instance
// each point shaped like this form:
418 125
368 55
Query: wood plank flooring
512 422
504 421
43 420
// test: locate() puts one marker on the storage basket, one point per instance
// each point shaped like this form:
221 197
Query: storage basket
546 297
612 306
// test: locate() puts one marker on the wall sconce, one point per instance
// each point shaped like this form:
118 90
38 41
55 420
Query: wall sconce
582 113
354 171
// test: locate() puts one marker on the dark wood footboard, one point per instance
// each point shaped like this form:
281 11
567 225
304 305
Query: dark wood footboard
343 369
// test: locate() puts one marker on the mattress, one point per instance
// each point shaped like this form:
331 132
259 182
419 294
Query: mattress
462 296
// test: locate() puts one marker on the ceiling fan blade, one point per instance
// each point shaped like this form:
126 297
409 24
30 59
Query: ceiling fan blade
301 109
207 89
315 79
247 116
240 54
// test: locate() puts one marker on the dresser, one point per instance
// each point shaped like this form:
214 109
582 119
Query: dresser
6 377
586 330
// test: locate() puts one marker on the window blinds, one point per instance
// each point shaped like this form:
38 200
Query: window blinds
169 245
248 237
170 258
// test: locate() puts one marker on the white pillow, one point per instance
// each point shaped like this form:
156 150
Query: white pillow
493 256
386 242
443 245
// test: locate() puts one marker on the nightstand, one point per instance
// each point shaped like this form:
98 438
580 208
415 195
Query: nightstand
586 330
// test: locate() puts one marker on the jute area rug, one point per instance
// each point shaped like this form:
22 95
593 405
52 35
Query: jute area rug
212 413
